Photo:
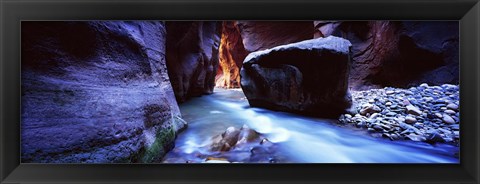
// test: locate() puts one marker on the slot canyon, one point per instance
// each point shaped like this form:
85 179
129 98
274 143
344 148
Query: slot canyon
240 92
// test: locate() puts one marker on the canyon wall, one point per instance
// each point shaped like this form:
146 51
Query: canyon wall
398 53
231 55
96 92
192 57
242 37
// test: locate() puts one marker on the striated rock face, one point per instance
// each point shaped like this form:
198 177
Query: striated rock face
260 35
96 92
400 54
192 57
239 38
308 77
231 55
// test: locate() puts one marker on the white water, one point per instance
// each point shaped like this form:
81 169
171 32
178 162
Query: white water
300 139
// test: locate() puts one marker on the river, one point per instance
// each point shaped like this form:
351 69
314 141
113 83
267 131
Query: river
298 139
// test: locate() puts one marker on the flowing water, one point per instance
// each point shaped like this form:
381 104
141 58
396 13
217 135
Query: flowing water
298 139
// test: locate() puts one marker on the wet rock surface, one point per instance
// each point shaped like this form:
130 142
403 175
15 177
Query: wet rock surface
308 77
192 56
101 95
235 145
422 113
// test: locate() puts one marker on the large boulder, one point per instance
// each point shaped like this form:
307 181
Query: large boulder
96 92
308 77
192 57
398 53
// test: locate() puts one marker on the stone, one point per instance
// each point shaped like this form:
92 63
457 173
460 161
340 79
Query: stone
247 135
369 108
438 115
97 90
447 119
391 114
308 77
416 138
413 110
449 111
217 161
424 85
374 115
377 127
434 138
230 136
410 119
388 103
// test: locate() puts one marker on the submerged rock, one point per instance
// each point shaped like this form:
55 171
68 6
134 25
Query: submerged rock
308 77
233 137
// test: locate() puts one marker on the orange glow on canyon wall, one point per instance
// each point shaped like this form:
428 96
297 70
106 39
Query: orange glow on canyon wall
231 55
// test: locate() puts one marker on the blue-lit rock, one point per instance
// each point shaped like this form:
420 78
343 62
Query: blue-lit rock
96 92
423 113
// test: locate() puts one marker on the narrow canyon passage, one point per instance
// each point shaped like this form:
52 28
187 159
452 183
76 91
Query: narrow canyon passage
297 139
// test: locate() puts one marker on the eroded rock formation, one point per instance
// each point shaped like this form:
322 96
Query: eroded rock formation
308 77
400 54
192 57
96 92
231 55
260 35
242 37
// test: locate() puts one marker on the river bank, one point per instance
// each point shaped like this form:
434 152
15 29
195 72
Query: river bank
423 113
295 139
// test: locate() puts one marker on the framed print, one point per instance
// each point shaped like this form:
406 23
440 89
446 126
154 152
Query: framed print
207 91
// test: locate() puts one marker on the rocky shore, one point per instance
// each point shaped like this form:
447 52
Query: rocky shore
423 113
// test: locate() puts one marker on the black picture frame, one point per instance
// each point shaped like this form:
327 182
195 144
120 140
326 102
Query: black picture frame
14 11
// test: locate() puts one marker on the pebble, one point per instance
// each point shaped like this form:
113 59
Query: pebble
369 108
449 111
413 110
410 119
452 106
374 115
423 113
434 138
391 114
447 119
